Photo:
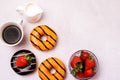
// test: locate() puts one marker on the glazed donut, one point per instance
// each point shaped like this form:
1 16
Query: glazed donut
25 70
52 63
37 42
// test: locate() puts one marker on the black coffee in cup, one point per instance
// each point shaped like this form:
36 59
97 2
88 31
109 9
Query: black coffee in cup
11 34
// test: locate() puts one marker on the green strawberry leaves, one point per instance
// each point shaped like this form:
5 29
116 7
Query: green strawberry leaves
78 68
29 58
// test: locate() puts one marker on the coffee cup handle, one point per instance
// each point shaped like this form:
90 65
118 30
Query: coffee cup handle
20 22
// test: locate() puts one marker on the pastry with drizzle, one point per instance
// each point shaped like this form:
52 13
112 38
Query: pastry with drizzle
36 38
23 62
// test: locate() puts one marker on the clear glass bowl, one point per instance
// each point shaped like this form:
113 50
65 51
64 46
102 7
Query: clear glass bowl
78 53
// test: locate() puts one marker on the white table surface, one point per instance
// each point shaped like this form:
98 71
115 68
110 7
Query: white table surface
80 24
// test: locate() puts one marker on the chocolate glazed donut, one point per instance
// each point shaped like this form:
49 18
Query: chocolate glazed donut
26 70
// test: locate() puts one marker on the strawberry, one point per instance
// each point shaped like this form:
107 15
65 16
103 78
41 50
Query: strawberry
23 61
79 75
89 63
89 73
84 55
75 60
78 68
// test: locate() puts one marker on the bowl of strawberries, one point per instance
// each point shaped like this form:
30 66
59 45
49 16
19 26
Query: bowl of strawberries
83 64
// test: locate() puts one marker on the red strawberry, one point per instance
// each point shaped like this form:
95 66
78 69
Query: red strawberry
89 63
23 61
84 55
79 75
89 73
75 60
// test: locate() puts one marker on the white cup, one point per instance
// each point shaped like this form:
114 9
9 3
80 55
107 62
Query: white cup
7 25
31 11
